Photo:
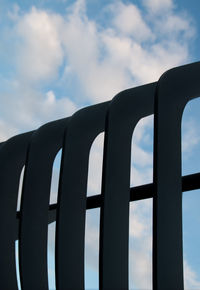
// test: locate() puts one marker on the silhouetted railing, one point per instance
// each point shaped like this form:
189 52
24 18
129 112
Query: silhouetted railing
36 150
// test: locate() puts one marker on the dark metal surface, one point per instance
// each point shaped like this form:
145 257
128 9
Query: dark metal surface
33 228
175 88
12 159
37 150
83 128
126 109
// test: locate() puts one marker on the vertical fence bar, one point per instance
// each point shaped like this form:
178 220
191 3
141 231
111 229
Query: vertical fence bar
126 109
33 227
12 159
83 128
175 88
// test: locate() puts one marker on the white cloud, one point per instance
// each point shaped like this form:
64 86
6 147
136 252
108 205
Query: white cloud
56 107
140 268
95 166
140 245
40 51
159 57
92 238
190 137
128 18
141 157
191 280
54 186
103 59
27 112
142 130
6 131
25 105
112 58
156 6
137 227
178 24
139 177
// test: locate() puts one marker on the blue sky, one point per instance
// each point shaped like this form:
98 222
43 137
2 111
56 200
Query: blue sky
58 56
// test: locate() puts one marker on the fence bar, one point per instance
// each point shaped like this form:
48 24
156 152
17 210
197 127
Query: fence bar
175 88
33 230
83 128
126 109
12 159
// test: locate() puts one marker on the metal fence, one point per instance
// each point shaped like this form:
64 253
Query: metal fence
36 150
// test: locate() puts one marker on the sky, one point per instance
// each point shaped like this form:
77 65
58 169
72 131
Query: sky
59 56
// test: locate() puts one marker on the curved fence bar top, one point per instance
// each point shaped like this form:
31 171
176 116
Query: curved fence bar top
12 159
33 229
175 88
125 110
83 128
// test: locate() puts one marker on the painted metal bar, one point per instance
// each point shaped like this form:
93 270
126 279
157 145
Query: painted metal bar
33 229
83 128
12 159
175 88
126 109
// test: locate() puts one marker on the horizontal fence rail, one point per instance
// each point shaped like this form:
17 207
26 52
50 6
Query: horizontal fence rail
36 150
189 183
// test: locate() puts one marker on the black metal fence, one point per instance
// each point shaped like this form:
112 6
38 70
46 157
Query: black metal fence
36 150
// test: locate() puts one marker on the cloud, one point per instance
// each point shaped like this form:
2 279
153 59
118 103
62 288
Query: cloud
6 130
142 130
156 6
27 102
112 57
190 137
141 157
178 25
95 166
102 60
57 107
91 67
142 152
26 109
131 17
140 267
39 51
141 176
191 280
92 239
54 185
